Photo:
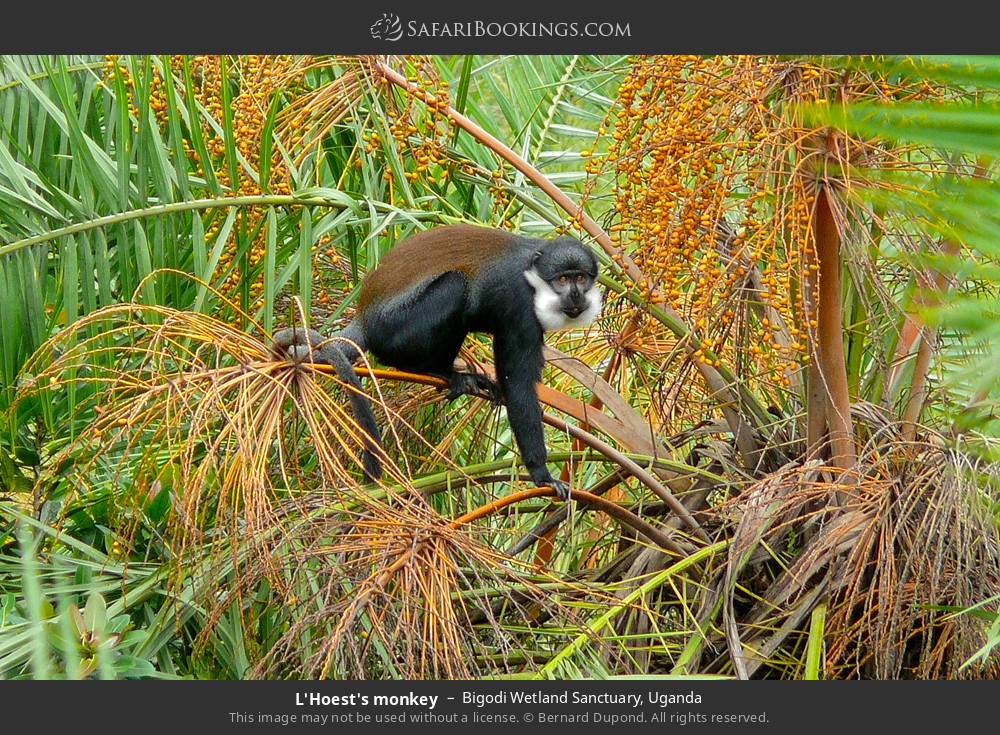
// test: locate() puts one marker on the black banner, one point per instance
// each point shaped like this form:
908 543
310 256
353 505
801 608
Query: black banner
585 706
393 27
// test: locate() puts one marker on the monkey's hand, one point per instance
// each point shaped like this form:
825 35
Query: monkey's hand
461 384
562 489
545 478
296 342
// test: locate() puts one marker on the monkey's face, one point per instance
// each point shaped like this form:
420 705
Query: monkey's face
563 275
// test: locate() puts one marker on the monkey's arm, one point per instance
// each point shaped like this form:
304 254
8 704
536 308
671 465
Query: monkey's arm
519 366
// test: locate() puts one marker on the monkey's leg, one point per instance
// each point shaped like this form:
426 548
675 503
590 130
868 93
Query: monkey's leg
305 344
476 384
286 341
298 342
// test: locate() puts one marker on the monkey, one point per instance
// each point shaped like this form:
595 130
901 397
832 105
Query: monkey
431 290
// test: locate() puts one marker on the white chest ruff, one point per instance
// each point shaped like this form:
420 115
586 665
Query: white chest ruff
547 306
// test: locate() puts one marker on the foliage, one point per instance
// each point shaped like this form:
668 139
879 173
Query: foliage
779 434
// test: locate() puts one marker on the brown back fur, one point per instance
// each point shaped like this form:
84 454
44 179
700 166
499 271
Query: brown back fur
430 253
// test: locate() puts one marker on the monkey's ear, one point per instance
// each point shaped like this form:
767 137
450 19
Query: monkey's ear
535 256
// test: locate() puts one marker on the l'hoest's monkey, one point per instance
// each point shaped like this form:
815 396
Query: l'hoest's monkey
437 286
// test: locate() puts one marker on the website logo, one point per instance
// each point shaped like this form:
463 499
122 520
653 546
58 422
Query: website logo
387 28
390 28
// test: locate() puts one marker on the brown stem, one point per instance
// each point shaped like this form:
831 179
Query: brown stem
614 510
830 334
918 386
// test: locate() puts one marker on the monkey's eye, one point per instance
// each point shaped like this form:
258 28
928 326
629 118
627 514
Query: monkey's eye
581 280
563 281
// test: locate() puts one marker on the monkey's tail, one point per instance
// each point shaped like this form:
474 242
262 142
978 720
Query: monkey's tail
362 407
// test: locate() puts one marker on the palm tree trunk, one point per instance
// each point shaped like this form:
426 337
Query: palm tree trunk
829 346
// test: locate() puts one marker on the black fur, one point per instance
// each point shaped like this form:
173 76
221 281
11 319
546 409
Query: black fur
422 329
564 255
